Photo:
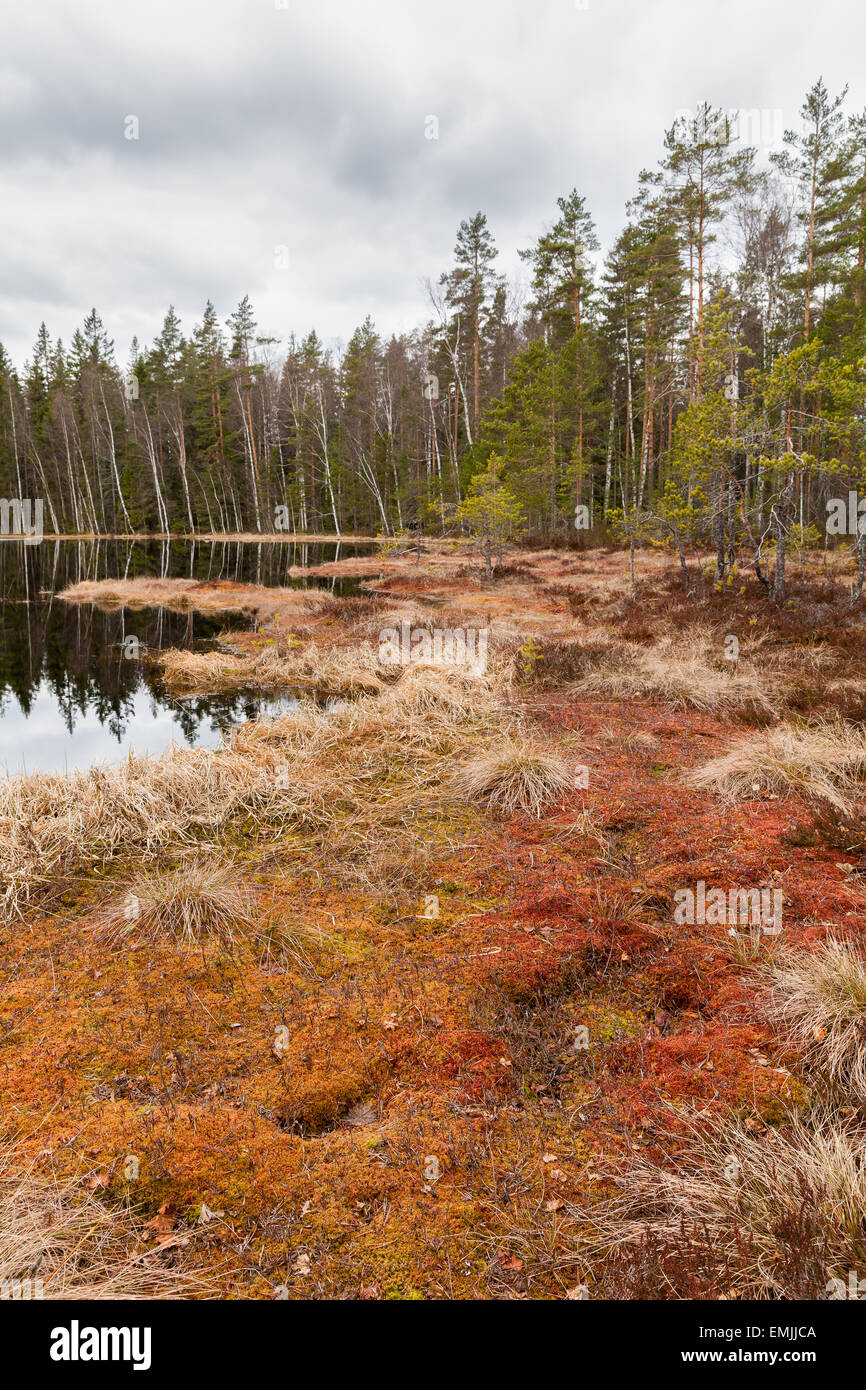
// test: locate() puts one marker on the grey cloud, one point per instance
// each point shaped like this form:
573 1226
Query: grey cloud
304 126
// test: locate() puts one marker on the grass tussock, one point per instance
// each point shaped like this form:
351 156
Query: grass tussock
547 663
687 669
817 1001
391 615
824 761
350 670
306 947
202 595
76 1245
634 741
515 775
743 1215
201 902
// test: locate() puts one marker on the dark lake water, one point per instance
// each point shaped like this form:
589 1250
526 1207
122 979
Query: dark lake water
69 697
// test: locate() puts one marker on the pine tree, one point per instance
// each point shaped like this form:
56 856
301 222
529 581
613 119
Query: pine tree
491 511
468 286
243 329
701 173
810 159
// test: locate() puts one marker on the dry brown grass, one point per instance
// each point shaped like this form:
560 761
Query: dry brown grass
185 594
411 611
199 903
638 740
779 1212
350 668
517 774
306 947
347 670
686 669
349 778
203 671
817 1000
824 761
76 1245
53 824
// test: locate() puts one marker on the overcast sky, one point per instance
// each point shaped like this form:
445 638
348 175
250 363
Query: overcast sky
304 124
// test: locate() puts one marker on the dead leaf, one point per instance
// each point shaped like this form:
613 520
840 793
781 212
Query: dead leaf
510 1262
160 1225
206 1215
360 1114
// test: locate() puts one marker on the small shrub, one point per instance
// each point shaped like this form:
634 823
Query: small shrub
548 664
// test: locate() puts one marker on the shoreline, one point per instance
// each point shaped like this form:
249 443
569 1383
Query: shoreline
328 538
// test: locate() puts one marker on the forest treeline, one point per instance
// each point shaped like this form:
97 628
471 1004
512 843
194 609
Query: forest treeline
703 385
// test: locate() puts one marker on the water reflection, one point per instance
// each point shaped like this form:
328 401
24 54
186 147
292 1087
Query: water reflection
70 697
